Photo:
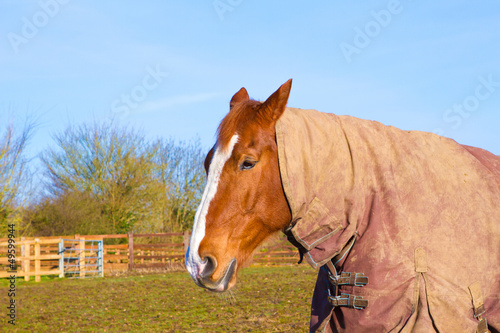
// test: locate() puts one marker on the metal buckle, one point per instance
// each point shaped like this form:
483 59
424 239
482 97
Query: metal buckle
359 284
350 299
334 279
348 276
482 326
479 311
350 281
354 298
354 302
334 299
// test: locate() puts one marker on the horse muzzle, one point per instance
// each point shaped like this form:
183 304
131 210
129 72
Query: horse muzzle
204 277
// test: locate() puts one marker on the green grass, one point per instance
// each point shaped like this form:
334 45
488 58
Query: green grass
266 299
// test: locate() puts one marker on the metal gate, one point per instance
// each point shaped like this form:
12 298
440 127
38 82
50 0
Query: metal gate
81 258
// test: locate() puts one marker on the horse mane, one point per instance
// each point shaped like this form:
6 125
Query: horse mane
241 113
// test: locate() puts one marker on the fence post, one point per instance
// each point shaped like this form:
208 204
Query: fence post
23 254
81 261
27 262
187 236
130 251
38 278
61 259
101 258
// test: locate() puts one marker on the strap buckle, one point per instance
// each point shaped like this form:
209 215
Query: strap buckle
482 326
349 279
348 300
478 312
360 279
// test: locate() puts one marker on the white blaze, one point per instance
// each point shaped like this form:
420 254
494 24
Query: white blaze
194 263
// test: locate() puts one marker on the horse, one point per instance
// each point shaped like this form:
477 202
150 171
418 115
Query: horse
402 226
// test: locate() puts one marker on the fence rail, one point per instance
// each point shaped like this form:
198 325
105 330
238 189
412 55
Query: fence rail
28 256
41 255
37 257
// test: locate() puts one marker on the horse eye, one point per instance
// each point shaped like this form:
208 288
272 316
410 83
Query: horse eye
247 165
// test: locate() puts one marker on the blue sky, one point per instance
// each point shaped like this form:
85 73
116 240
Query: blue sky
171 67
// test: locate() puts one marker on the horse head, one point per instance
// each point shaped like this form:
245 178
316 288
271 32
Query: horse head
243 202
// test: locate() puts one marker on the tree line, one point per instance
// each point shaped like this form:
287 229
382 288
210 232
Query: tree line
99 178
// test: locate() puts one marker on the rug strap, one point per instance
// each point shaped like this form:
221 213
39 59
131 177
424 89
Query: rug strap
478 304
348 300
349 279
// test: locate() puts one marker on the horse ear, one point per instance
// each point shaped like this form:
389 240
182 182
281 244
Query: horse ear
275 105
240 96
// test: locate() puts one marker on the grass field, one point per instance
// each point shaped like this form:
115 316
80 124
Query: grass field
266 299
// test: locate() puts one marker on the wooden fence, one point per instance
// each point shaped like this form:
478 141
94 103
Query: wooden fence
30 258
130 251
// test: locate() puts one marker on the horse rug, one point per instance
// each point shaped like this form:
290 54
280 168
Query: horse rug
419 212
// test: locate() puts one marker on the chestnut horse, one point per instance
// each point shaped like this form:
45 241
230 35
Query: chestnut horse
243 202
415 213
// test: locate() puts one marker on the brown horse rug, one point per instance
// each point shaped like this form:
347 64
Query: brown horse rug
409 219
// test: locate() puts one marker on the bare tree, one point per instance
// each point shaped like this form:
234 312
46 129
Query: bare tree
182 171
13 173
114 165
105 178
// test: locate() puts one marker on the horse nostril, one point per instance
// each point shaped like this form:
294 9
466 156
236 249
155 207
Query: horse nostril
210 264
